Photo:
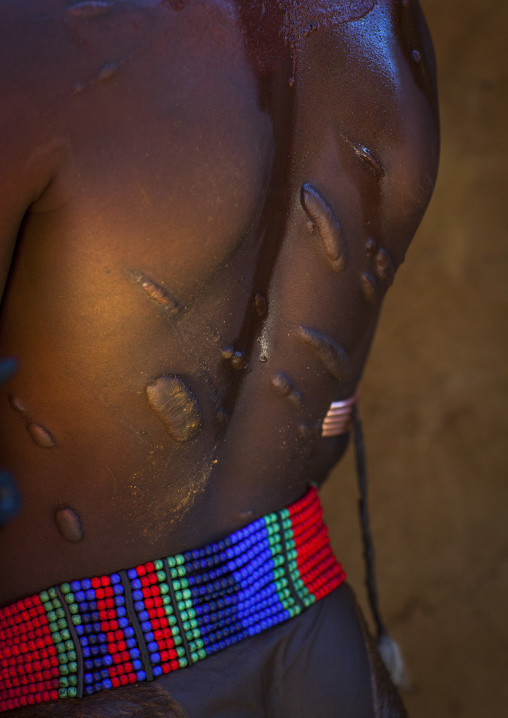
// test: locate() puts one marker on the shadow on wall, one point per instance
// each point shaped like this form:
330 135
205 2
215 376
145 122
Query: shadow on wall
434 399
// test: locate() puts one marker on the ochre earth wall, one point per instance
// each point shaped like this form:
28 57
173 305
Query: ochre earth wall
435 397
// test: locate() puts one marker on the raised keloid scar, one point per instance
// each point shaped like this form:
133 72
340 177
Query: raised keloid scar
323 219
176 406
331 354
285 386
156 292
41 436
69 524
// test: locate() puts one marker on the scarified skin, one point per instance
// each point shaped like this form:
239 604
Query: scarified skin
327 350
108 71
69 524
176 406
41 436
324 220
158 294
17 404
369 286
384 267
89 8
260 305
285 386
368 158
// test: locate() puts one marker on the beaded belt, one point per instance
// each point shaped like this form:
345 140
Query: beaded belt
95 634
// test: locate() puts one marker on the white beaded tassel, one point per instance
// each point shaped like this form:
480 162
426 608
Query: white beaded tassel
338 418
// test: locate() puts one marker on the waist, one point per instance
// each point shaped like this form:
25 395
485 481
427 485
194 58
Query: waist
94 634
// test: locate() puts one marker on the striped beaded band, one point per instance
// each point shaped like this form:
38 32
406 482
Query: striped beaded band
82 637
338 418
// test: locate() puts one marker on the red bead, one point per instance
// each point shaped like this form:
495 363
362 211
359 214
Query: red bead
105 581
96 582
100 593
132 678
115 682
166 668
124 680
108 592
140 570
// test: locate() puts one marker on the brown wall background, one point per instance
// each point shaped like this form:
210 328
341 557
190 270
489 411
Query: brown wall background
435 395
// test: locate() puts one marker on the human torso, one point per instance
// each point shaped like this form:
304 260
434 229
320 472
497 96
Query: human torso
203 271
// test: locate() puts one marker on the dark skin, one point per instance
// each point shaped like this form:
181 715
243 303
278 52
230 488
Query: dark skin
176 185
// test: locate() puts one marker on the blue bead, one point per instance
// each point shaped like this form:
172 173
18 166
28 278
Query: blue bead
137 595
132 573
88 665
79 629
88 678
84 641
157 671
123 622
131 643
118 589
103 650
86 583
137 583
88 690
115 578
92 639
97 677
155 658
119 600
95 617
79 596
86 652
149 636
129 632
94 651
146 626
75 586
104 673
137 664
141 676
106 684
102 638
97 686
92 605
134 653
107 660
152 646
97 663
144 616
139 606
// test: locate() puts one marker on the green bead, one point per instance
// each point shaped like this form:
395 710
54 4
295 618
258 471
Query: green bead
159 565
72 656
62 623
173 573
73 608
56 603
202 653
73 667
200 643
65 588
73 692
166 602
63 682
164 588
76 620
177 640
64 670
182 662
180 651
181 571
69 599
57 638
194 657
193 623
186 625
73 680
177 586
171 561
186 593
180 605
62 692
44 596
179 559
51 616
188 603
48 606
69 645
52 593
196 633
192 646
161 576
184 615
172 622
191 612
62 658
60 648
184 582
